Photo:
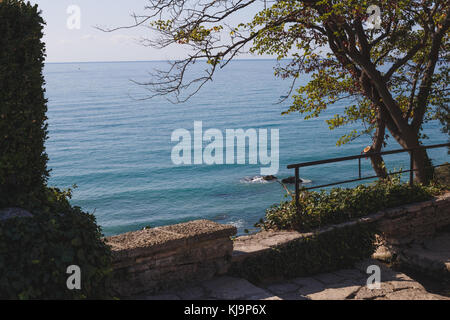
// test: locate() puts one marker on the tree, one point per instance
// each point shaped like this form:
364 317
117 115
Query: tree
397 74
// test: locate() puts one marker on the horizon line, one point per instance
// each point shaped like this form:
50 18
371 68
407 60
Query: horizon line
119 61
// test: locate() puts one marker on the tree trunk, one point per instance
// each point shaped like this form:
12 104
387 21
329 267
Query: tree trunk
378 139
378 166
422 165
405 134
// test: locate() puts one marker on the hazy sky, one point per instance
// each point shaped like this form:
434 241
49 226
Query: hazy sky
89 44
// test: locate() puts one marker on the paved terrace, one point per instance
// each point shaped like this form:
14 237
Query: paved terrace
348 284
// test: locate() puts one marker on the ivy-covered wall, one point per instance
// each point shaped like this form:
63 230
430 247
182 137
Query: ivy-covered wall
23 128
325 252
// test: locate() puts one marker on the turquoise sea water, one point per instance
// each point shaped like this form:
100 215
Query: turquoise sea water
117 148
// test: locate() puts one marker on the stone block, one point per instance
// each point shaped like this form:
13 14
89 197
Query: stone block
281 288
144 243
10 213
334 293
229 288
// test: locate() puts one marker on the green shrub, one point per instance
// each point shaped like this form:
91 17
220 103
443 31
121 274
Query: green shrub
23 128
318 209
325 252
35 253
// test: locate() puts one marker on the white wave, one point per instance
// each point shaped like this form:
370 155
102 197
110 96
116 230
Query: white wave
238 223
257 179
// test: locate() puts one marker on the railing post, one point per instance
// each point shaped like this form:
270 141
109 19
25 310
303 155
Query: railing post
411 168
359 167
297 177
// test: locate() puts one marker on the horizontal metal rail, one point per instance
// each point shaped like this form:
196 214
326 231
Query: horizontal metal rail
364 155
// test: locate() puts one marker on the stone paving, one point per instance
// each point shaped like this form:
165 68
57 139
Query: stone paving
349 284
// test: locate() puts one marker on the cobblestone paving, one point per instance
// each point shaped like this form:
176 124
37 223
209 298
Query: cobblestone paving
346 284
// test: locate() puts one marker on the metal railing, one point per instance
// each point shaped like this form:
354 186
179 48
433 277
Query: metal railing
297 167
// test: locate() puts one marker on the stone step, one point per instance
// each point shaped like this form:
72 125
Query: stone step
432 257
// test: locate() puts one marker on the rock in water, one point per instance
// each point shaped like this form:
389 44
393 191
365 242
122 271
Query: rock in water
291 180
269 178
10 213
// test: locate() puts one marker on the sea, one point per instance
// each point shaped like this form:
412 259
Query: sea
107 137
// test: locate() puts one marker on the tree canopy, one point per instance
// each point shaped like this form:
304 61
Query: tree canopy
396 74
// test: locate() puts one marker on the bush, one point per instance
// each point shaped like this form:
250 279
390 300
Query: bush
35 253
23 128
318 209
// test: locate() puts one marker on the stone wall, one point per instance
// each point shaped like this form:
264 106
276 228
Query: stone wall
151 260
415 222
